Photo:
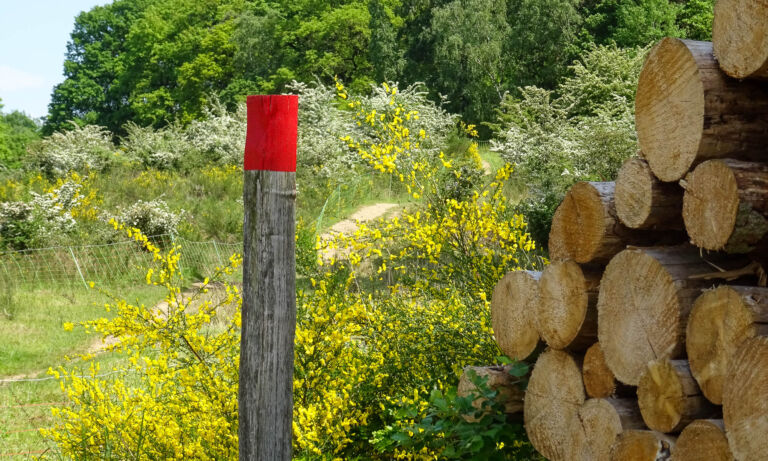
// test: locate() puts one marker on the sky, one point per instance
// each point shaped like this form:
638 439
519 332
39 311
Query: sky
33 42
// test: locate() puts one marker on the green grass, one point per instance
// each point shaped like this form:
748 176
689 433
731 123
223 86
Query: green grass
25 408
35 339
493 158
346 198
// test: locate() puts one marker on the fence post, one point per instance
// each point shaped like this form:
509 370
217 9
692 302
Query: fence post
269 279
218 255
77 265
173 243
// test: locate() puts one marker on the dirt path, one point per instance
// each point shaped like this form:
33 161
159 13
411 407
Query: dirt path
349 225
99 344
366 213
487 168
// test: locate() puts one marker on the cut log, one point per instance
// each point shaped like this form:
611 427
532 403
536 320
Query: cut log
513 305
726 204
552 401
599 380
740 38
721 320
643 446
498 379
604 419
645 297
745 401
566 314
688 111
669 397
585 227
703 439
644 202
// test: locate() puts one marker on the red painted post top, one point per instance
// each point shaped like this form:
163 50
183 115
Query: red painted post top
272 133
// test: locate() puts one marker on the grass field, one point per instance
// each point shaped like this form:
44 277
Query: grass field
34 340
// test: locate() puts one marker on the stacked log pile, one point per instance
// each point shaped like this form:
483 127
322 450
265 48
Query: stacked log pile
651 322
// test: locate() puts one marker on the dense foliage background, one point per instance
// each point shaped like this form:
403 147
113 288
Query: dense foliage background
154 62
473 117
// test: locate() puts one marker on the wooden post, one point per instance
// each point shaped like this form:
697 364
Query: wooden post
269 280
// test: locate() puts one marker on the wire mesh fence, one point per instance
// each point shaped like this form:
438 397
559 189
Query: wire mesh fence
113 263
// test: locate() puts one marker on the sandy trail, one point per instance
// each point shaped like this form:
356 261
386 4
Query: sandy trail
366 213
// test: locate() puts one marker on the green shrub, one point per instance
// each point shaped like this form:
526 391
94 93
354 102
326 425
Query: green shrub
583 131
452 428
80 149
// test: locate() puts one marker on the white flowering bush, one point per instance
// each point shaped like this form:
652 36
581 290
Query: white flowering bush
321 155
44 220
583 131
83 148
164 148
217 138
220 136
153 217
429 116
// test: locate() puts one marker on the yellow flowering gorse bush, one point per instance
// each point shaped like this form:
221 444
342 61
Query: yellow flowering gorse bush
397 310
175 394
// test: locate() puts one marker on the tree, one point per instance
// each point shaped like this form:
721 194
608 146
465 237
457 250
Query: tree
151 61
695 19
94 89
468 39
20 132
4 150
384 50
641 22
542 40
645 21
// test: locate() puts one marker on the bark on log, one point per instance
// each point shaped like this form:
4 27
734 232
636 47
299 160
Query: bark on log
586 229
645 297
552 401
513 306
726 205
669 397
643 446
745 401
498 379
721 320
740 38
688 111
703 439
599 380
644 202
566 314
604 420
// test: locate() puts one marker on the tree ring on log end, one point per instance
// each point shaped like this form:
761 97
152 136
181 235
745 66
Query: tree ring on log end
578 227
634 193
563 302
719 323
602 425
711 204
638 314
669 109
740 37
598 378
553 398
745 400
661 396
703 439
513 304
637 445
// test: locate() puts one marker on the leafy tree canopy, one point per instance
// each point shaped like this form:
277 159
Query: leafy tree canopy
17 131
159 61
